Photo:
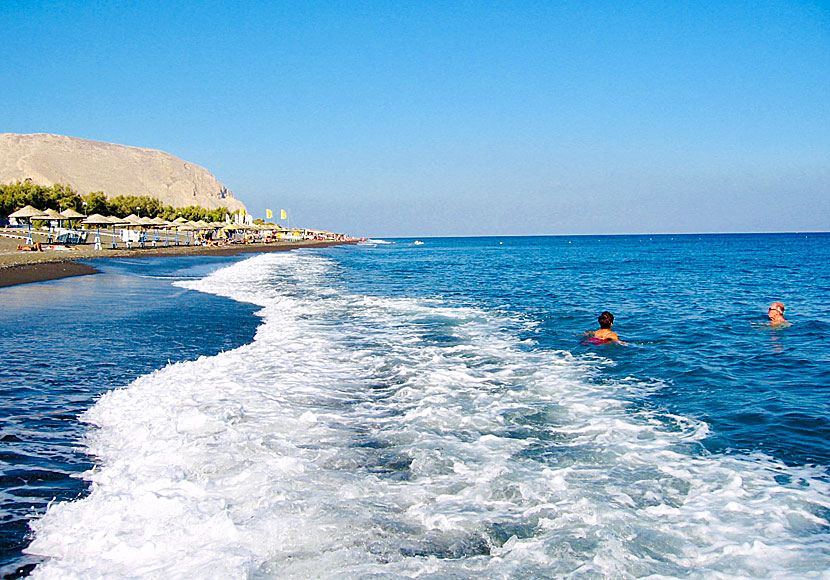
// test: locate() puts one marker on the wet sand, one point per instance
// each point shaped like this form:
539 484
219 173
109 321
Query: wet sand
22 267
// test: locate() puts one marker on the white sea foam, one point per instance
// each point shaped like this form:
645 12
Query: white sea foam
362 436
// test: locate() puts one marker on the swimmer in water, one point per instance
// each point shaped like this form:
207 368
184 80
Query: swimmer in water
776 314
606 321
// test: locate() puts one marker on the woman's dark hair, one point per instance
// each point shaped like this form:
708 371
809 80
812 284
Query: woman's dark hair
606 319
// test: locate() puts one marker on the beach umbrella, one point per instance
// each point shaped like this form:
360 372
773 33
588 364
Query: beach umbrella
97 220
160 223
133 221
230 229
71 214
146 223
178 223
116 221
202 225
26 212
188 227
49 215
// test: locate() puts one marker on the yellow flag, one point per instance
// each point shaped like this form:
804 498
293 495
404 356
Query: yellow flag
283 215
268 213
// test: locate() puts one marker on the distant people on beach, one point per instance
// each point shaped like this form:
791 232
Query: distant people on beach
776 314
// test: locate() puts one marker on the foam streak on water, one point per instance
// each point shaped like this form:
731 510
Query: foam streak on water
361 436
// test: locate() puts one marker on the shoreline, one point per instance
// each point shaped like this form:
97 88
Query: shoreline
18 267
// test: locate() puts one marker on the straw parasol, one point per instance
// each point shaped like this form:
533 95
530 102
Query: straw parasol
158 223
26 212
50 215
134 221
71 214
176 224
97 220
116 221
188 227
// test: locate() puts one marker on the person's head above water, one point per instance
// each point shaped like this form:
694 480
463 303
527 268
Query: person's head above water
606 319
776 312
605 334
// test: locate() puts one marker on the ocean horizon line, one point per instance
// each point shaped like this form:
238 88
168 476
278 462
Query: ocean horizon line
607 235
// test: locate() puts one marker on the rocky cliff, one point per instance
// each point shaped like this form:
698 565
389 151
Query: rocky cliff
88 166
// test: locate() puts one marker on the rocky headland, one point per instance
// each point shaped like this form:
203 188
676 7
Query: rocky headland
87 166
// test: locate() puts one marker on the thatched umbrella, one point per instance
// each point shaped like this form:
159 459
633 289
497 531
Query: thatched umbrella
71 214
133 221
97 220
178 223
49 215
188 227
26 213
158 223
116 221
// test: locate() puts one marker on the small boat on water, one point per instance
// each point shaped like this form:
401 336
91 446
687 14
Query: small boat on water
417 243
373 242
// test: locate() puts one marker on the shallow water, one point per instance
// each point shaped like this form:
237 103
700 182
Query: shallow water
429 411
64 343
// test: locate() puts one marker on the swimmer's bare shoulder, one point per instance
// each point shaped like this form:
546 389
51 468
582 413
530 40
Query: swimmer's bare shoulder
605 334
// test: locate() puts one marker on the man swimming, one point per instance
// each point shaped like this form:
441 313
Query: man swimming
606 321
776 314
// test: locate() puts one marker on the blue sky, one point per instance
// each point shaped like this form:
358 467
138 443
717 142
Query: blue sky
452 118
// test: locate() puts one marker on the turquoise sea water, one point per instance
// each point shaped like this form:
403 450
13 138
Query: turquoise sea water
400 410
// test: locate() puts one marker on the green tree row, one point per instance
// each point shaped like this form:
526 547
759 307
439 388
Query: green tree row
60 197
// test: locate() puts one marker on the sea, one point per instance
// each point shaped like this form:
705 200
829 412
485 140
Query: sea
433 410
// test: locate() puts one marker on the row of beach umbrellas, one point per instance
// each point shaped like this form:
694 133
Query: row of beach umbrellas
179 224
28 212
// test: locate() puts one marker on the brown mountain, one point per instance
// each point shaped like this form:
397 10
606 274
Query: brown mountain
88 166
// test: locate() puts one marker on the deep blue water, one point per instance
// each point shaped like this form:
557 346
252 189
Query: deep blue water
691 310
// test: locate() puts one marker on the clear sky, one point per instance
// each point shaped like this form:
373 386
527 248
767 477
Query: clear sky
451 118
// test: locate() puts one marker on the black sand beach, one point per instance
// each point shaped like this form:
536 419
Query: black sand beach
23 267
